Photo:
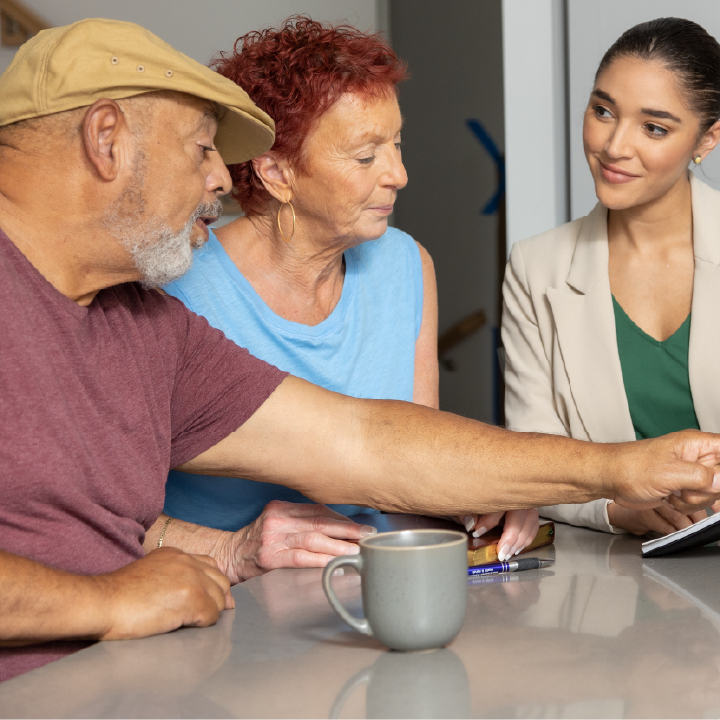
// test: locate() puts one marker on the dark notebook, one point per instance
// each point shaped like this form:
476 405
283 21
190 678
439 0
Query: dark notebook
696 535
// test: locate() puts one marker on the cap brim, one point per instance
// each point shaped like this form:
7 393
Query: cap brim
241 137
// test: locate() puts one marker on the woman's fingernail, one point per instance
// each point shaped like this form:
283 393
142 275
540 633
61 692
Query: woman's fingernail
338 571
676 493
366 530
716 482
469 522
504 553
480 531
353 549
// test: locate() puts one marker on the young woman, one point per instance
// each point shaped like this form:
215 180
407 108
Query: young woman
610 322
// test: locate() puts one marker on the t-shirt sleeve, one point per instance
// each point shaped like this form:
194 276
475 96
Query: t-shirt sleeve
218 385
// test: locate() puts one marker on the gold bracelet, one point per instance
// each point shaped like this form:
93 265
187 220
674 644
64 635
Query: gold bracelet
162 532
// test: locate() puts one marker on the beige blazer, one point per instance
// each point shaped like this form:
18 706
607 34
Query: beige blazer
562 372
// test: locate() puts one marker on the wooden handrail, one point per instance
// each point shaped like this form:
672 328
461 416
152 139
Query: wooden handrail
18 23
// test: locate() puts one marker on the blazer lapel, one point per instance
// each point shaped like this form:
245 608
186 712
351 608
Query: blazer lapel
585 322
704 352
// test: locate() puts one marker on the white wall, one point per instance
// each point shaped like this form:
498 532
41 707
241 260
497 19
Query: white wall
201 29
592 28
535 133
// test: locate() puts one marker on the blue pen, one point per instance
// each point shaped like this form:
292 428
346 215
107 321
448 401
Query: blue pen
512 566
475 580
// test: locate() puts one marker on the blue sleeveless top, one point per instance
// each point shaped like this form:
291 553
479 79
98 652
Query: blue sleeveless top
365 349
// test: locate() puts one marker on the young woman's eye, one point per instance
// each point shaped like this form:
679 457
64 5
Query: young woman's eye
602 112
655 130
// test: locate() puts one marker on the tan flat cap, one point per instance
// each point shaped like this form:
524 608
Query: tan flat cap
73 66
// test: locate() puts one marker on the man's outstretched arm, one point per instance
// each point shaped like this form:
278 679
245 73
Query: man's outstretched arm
164 591
403 457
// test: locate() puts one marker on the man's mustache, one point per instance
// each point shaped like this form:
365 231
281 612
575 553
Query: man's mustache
213 209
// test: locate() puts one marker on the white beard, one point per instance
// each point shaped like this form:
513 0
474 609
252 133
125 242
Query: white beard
160 254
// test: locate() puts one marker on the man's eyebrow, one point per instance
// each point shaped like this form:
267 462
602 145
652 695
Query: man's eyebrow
212 111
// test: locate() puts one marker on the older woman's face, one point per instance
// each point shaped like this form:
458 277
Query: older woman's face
638 133
352 170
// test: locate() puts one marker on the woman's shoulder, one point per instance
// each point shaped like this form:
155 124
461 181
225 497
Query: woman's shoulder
706 220
545 245
393 247
547 257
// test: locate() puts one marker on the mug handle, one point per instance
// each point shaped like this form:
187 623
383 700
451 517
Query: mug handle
347 689
359 624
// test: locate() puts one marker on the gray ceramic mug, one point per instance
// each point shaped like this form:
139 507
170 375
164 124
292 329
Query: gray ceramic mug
414 587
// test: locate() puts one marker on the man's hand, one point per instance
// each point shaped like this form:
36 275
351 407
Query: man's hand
520 529
165 590
289 535
663 519
648 471
161 592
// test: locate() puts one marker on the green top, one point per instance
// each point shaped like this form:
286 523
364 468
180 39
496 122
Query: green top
655 374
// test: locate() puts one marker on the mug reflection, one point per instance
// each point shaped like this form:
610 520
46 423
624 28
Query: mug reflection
430 684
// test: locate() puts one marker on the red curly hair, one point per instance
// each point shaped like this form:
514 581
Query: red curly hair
295 74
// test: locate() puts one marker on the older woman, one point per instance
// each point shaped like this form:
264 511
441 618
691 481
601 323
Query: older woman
312 279
597 319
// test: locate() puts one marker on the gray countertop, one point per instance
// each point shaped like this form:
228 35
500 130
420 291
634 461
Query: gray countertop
601 634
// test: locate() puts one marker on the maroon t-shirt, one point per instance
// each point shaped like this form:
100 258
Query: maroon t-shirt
97 403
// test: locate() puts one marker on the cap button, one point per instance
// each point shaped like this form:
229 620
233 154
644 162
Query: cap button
168 73
114 60
141 68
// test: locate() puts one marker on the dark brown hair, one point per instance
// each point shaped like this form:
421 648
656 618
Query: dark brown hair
686 49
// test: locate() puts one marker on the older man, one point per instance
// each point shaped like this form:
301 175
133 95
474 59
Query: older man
109 173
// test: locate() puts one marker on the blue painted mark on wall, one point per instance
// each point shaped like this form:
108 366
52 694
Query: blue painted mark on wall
491 207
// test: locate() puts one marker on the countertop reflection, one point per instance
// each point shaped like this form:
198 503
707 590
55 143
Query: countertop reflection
604 634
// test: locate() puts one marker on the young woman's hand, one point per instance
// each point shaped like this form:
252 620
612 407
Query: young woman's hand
521 527
663 519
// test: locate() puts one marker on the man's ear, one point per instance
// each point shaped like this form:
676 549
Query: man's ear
709 140
275 175
106 137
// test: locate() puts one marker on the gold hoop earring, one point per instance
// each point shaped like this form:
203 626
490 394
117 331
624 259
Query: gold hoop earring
292 210
697 159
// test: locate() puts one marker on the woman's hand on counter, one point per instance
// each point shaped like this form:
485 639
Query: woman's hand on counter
290 535
285 535
520 529
663 519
